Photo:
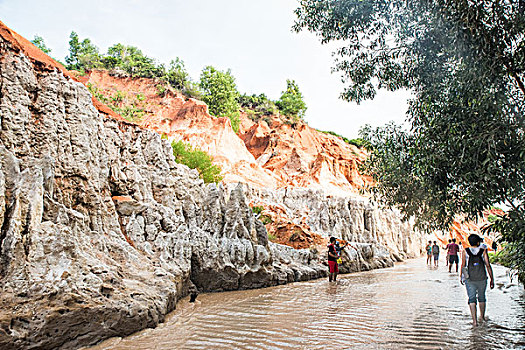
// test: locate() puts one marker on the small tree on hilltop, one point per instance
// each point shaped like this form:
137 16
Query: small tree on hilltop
133 61
221 95
177 76
82 54
291 102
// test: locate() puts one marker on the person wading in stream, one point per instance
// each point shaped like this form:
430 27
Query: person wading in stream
453 250
333 269
435 253
448 253
429 253
476 261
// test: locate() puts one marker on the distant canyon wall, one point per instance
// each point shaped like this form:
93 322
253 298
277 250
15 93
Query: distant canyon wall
380 232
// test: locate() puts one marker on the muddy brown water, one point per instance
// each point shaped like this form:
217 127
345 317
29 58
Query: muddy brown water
409 306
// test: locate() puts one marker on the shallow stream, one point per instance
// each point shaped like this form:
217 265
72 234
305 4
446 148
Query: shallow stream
409 306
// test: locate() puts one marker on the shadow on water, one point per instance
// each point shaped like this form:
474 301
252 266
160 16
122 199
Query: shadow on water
410 306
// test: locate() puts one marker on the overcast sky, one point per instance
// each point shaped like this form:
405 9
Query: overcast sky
253 38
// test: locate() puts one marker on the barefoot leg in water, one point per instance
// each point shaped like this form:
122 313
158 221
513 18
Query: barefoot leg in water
472 307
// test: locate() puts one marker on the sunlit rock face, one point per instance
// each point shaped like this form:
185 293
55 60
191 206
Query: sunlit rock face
102 231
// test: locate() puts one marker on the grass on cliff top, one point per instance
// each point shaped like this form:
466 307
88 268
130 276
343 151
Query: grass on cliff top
195 158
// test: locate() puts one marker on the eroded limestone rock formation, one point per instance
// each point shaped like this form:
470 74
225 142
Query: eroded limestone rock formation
102 231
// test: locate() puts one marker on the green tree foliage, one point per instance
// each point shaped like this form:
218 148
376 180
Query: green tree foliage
132 61
196 158
464 61
291 102
220 93
39 42
260 105
177 76
83 55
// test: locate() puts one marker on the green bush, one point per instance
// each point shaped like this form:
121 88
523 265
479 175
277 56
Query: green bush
176 75
162 90
220 94
291 102
257 106
359 142
265 219
257 210
271 237
196 158
131 113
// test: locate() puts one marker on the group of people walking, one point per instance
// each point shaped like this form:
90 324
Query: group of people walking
453 251
475 266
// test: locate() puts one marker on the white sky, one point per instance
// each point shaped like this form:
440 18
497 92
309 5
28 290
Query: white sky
251 37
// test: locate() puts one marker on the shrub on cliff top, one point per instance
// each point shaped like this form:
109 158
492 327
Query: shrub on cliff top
257 105
195 158
220 94
359 142
133 61
83 54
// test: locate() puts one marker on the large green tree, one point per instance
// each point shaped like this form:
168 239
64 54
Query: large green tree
464 61
221 94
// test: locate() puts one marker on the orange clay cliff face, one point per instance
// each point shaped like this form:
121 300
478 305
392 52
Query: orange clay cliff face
261 155
461 229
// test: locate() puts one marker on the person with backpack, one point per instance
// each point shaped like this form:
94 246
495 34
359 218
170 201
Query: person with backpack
435 253
475 265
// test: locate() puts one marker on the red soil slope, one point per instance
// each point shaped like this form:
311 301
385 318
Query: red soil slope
279 155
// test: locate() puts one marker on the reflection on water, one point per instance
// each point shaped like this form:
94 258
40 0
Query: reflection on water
410 306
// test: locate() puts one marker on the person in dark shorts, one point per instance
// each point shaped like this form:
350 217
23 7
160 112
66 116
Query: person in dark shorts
333 269
435 253
448 253
453 250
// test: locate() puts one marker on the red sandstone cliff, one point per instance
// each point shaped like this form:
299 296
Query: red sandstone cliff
262 155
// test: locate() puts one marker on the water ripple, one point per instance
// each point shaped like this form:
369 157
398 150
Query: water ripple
406 307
